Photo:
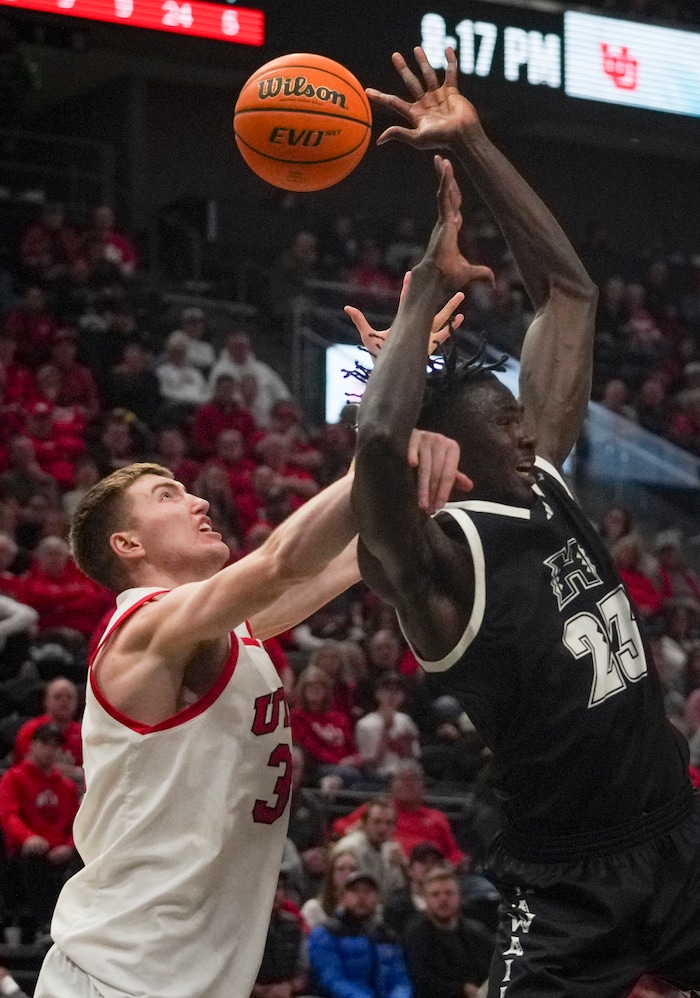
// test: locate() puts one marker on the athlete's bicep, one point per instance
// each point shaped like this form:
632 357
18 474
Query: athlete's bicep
431 587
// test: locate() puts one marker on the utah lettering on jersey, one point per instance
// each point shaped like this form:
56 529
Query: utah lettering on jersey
269 710
572 572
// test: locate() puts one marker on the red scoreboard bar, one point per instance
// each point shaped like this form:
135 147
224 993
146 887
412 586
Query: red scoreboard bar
195 18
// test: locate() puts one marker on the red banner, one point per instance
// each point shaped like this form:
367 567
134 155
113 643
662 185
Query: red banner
191 17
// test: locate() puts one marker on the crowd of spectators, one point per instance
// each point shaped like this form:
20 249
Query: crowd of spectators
95 374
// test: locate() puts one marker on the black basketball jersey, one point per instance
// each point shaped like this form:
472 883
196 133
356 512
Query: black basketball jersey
554 673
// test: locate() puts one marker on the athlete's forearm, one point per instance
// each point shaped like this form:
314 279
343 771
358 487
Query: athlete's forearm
541 249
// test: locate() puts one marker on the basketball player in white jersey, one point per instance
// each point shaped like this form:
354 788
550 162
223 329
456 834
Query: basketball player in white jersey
186 733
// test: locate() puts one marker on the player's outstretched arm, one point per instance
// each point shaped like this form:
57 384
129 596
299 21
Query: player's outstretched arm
400 546
556 358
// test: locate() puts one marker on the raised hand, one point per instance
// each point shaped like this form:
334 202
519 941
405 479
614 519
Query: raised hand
437 113
444 323
443 249
437 461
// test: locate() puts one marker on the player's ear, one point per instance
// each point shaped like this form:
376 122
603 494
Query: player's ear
126 544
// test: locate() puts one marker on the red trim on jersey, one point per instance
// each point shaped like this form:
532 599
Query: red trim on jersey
251 640
182 716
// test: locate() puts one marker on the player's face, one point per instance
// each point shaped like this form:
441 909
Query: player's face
442 899
498 452
173 528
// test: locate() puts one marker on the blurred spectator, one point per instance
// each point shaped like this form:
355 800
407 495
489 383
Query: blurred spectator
221 413
330 658
404 903
87 474
338 247
370 839
123 440
372 285
172 451
308 826
230 454
181 385
384 654
676 642
356 953
321 731
452 753
286 421
193 324
17 380
56 448
627 555
616 398
237 358
78 386
405 247
652 406
274 452
105 244
386 735
10 561
448 955
17 623
267 500
290 271
60 710
25 477
68 603
616 522
32 326
133 385
37 808
320 909
415 821
284 966
49 246
336 446
676 582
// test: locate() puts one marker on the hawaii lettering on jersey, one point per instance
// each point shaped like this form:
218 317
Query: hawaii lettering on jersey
269 710
521 919
610 637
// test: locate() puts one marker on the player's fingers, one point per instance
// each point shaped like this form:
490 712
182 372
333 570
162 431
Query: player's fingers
404 285
479 273
443 316
457 321
425 473
444 471
411 81
398 134
390 101
451 71
463 482
427 71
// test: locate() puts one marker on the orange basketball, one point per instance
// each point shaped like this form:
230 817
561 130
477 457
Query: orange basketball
302 122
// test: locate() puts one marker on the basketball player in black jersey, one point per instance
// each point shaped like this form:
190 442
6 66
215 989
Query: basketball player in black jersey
510 600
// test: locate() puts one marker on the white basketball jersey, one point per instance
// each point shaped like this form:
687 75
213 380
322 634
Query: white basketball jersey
181 831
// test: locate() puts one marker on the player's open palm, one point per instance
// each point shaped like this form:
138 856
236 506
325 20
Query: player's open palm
437 112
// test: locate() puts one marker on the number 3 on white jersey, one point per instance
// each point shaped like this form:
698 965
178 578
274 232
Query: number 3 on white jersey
613 642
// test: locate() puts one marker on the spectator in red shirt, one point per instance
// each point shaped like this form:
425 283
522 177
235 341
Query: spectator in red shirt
37 809
25 478
60 709
11 583
230 455
627 556
106 244
172 452
274 451
56 448
49 246
67 601
78 386
323 733
32 326
222 413
415 822
17 380
330 659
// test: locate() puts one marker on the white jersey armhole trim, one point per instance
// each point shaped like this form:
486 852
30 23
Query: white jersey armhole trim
477 615
540 462
485 506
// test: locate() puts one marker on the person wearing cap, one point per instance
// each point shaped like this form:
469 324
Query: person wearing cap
448 955
38 805
356 955
404 903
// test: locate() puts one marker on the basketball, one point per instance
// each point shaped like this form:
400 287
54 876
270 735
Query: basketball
302 122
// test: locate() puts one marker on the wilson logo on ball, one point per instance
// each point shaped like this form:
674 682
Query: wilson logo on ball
298 86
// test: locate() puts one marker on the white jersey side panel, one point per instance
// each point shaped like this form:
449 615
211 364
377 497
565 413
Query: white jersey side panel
181 831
